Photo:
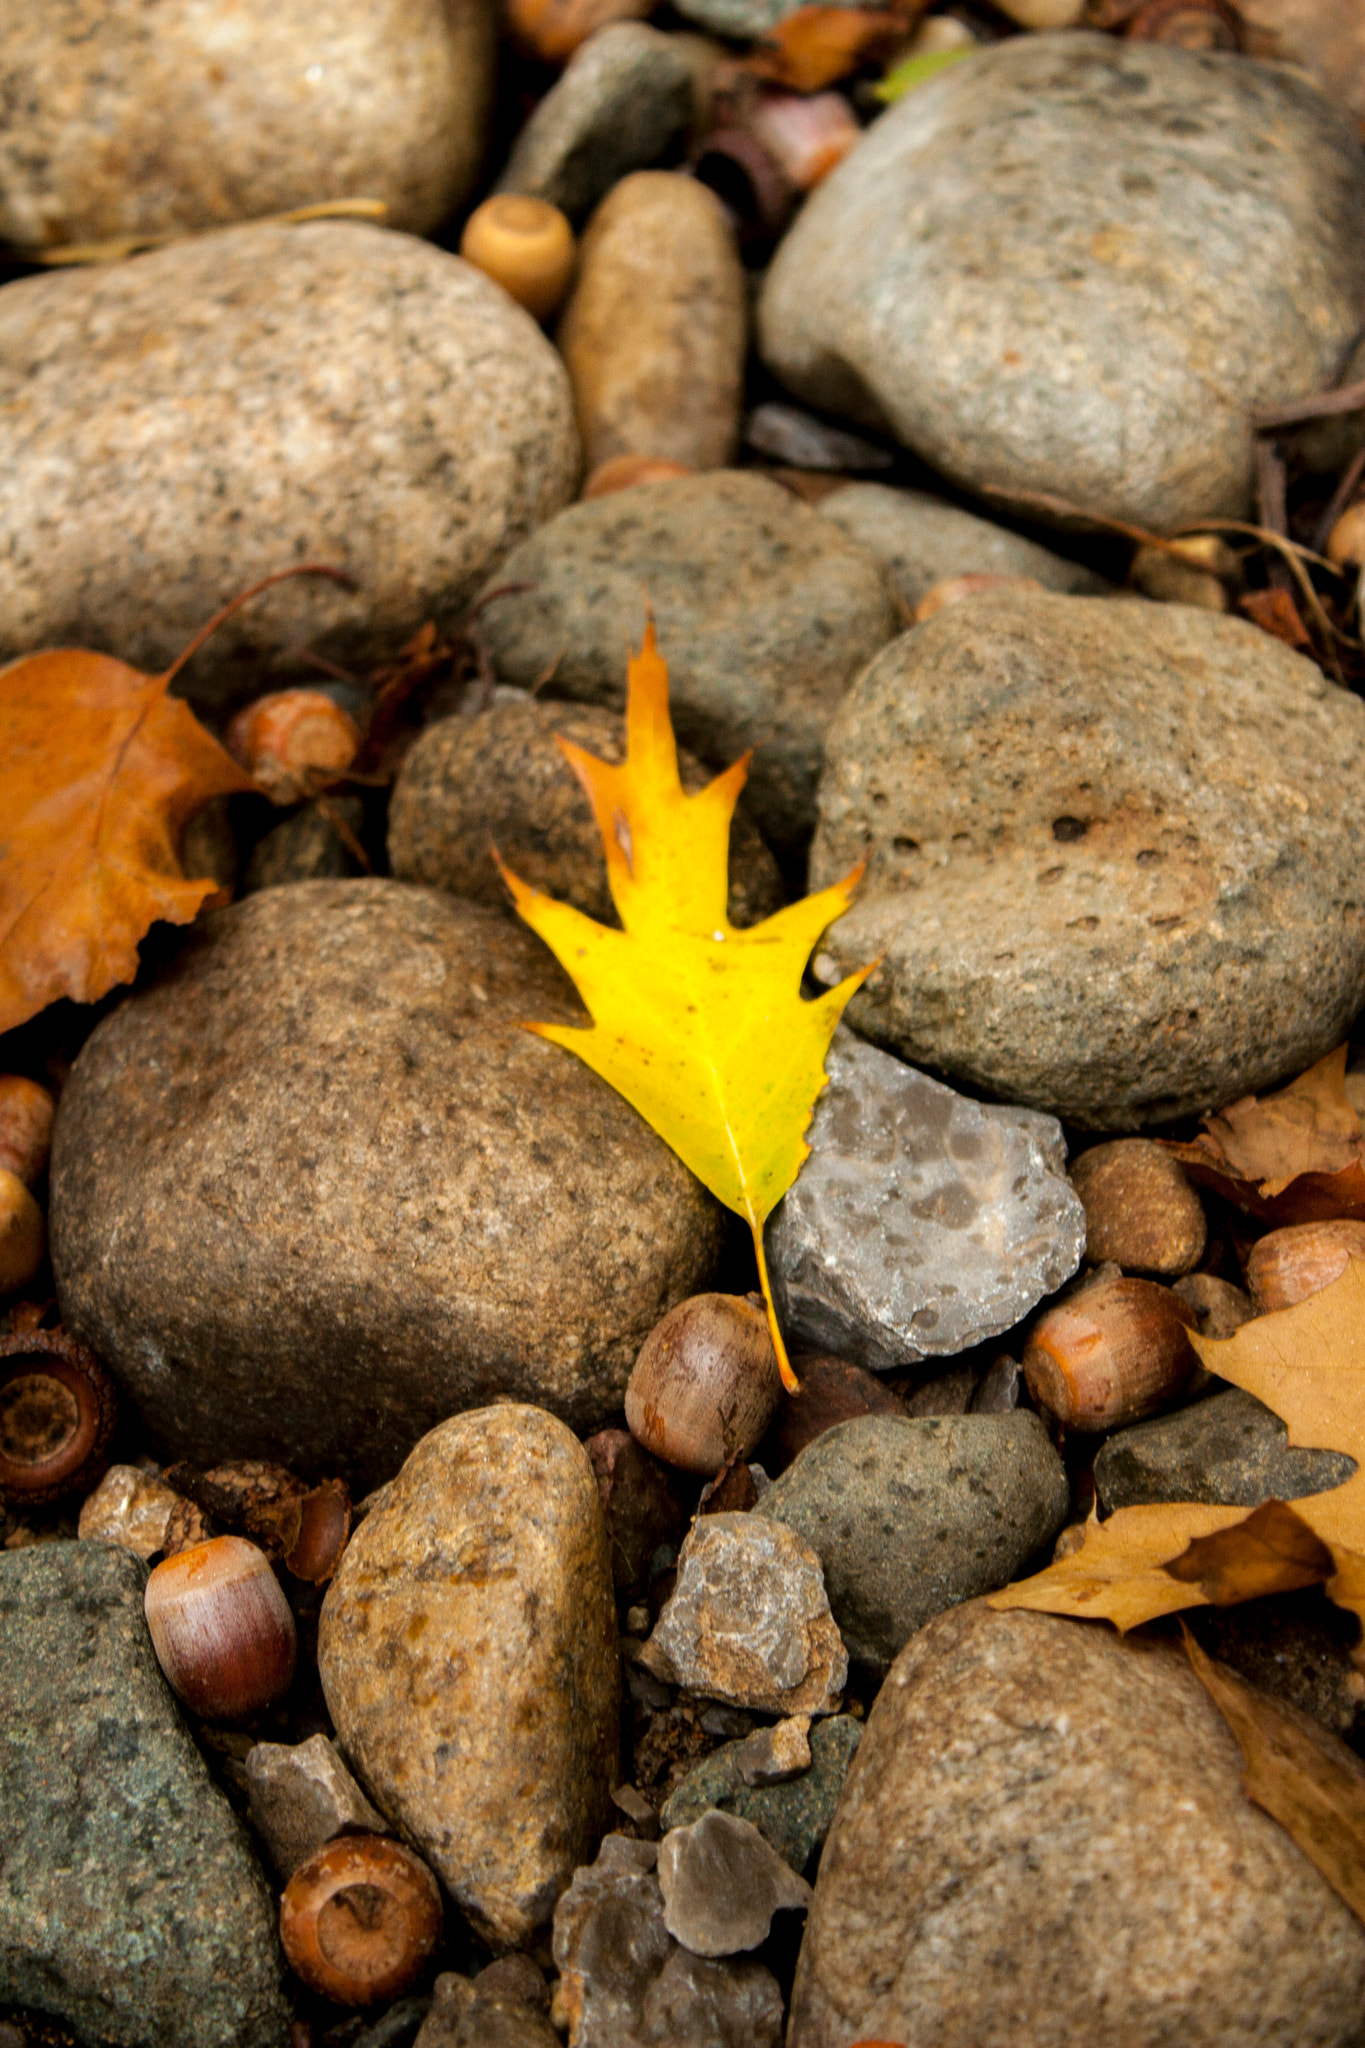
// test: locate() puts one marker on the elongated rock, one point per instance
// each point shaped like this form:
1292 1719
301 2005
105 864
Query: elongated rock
468 1654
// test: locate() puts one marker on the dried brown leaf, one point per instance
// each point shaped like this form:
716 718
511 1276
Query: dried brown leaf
1295 1157
1272 1551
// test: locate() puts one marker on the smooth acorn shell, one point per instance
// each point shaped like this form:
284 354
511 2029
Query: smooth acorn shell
525 245
359 1919
26 1114
1288 1265
706 1383
1111 1354
221 1628
57 1414
23 1234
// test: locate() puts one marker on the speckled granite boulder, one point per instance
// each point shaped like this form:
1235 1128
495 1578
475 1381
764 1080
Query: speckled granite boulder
499 779
1078 266
910 1515
315 1189
765 614
1045 1838
124 119
131 1906
624 99
1112 854
919 540
468 1655
268 395
922 1223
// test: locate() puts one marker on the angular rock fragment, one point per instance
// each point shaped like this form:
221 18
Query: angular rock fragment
794 1816
722 1885
1230 1450
922 1223
301 1796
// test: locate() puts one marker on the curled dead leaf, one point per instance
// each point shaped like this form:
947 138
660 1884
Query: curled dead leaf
1272 1551
1294 1157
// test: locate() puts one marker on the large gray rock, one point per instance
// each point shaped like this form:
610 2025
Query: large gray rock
765 614
500 779
131 1906
1045 1838
1112 866
127 120
1078 266
316 1189
222 408
920 540
467 1649
922 1223
624 99
911 1515
1231 1450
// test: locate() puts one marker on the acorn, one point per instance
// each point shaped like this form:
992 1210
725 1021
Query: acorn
292 740
360 1919
57 1415
221 1628
26 1113
1346 541
1112 1353
1288 1265
706 1383
525 245
23 1233
1140 1210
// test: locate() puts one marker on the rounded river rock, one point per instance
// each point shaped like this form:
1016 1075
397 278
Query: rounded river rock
1045 1838
176 426
468 1654
1078 266
128 119
316 1190
1112 854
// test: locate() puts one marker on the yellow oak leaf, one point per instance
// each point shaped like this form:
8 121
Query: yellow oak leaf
701 1026
1308 1364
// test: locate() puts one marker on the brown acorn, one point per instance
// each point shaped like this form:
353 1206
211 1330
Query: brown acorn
57 1414
1112 1353
359 1919
23 1234
26 1114
221 1628
1288 1265
706 1383
525 245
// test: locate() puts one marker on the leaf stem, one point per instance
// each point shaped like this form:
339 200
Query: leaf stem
789 1379
245 596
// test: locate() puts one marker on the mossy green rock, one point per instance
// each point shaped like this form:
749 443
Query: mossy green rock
131 1906
794 1817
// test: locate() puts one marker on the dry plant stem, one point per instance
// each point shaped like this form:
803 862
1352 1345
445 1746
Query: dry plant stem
1348 398
245 596
789 1379
118 247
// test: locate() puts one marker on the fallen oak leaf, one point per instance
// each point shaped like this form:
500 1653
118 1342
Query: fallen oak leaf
100 771
1294 1157
814 46
1298 1772
700 1025
1272 1551
1307 1363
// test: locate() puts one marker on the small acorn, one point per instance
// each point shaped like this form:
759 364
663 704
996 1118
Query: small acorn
23 1234
57 1415
292 740
1288 1265
221 1628
1140 1210
706 1383
1346 542
26 1113
1112 1353
359 1919
525 245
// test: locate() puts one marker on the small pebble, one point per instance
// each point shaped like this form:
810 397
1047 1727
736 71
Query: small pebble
130 1508
302 1796
722 1884
770 1756
1140 1210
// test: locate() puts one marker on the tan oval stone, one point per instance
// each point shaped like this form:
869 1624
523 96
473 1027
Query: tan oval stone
174 427
128 119
654 334
467 1648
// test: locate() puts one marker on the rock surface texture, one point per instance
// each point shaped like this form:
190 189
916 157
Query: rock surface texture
922 1223
315 1190
624 99
1078 266
765 614
174 427
722 1884
500 777
626 1983
1111 854
131 1906
748 1621
1230 1449
794 1816
1045 1838
919 540
468 1654
129 120
912 1515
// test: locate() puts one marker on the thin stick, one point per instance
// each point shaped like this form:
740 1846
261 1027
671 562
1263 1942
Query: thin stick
244 597
1349 398
789 1379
